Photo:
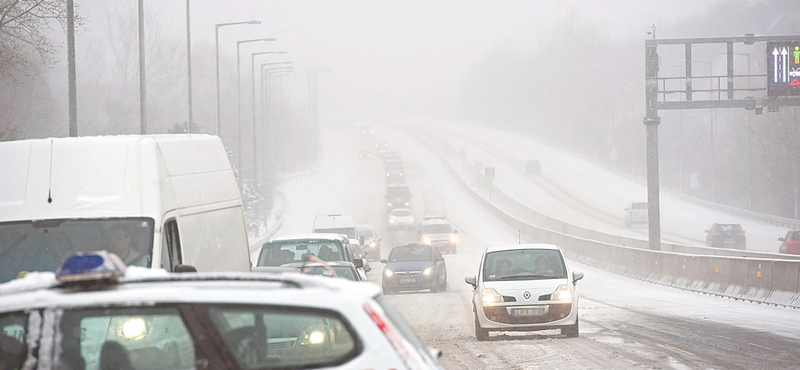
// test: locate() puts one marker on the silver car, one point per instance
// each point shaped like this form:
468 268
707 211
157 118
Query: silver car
524 287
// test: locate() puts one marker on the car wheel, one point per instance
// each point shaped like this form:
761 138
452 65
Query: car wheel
443 287
480 333
571 331
386 291
435 285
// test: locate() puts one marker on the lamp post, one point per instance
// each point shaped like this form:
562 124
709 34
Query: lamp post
239 98
216 48
189 65
142 74
253 102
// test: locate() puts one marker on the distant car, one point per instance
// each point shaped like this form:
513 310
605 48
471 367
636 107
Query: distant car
791 242
364 154
371 241
340 269
380 146
391 155
401 218
397 196
96 314
367 130
727 235
533 167
414 266
636 213
393 167
436 231
524 287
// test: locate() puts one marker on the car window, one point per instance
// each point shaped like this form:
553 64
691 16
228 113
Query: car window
44 245
437 229
285 337
796 235
280 253
12 340
730 227
410 253
349 231
344 272
524 264
397 192
401 213
125 338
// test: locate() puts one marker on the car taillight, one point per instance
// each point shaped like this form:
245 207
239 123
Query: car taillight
741 233
716 233
410 357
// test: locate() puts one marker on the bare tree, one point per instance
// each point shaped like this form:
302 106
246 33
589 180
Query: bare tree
23 29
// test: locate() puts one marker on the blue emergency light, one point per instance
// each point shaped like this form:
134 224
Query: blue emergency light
95 266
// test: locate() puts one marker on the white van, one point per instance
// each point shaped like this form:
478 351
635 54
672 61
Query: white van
337 224
170 200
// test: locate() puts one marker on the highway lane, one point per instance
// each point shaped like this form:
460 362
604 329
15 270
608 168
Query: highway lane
625 323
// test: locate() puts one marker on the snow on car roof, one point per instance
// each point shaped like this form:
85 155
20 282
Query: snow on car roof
39 290
521 246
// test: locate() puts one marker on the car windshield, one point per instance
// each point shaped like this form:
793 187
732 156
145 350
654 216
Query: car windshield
344 272
397 192
394 166
44 245
280 253
366 232
437 229
404 253
401 213
349 231
524 264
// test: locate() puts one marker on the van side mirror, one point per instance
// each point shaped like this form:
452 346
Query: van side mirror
185 268
358 263
471 280
576 275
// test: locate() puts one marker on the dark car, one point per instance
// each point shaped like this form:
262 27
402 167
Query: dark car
364 154
726 236
414 266
340 269
371 243
393 167
397 196
791 243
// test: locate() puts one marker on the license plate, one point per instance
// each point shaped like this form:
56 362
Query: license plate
531 311
408 281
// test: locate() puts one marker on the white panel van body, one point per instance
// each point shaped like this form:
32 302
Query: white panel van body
173 199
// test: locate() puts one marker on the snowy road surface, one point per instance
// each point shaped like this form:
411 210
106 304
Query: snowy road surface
625 323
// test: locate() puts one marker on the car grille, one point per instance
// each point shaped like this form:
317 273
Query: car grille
500 314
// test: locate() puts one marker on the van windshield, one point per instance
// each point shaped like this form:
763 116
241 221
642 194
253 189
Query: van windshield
27 246
349 231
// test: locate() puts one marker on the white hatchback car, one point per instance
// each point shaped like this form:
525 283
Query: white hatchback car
401 218
524 287
96 314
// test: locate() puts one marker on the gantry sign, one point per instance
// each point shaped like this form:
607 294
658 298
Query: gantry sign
782 90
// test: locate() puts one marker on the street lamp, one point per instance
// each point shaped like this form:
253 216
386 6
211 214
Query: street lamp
239 96
253 102
216 48
189 65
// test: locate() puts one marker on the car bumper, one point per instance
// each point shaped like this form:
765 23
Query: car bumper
408 282
401 225
502 317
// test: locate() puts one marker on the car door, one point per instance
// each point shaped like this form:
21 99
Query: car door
441 267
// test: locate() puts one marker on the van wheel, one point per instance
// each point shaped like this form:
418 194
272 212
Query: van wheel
571 331
480 333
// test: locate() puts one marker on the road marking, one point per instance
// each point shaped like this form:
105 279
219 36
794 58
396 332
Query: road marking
767 348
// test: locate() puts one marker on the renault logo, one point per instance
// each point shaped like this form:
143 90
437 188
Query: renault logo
526 295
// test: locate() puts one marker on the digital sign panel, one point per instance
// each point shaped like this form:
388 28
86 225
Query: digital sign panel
783 68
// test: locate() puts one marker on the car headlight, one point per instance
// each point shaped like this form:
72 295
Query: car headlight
373 245
563 293
391 221
389 204
489 295
453 239
427 271
426 240
407 203
411 219
388 273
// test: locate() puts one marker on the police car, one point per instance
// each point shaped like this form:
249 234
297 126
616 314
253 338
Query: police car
94 313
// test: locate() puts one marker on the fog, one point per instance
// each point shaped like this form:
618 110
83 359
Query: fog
570 72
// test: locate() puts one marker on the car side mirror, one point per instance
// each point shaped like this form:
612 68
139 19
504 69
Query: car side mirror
185 268
780 239
576 275
367 268
471 280
358 263
434 352
383 260
440 258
